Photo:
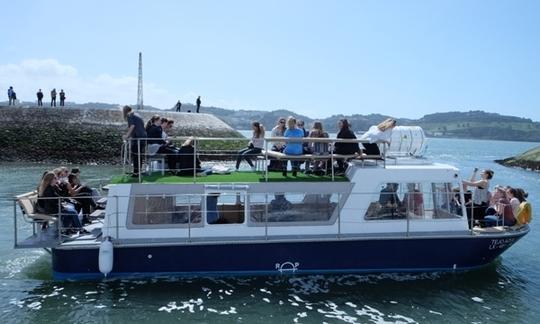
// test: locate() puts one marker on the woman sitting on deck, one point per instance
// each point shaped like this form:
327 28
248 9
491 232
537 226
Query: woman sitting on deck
293 148
255 146
157 145
345 132
188 162
318 148
277 131
51 203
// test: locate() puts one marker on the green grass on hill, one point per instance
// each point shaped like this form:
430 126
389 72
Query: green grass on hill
228 178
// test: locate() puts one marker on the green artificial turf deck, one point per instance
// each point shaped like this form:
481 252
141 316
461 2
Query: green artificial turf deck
233 177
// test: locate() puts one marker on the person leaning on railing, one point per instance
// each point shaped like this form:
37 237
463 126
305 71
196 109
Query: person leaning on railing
381 133
135 131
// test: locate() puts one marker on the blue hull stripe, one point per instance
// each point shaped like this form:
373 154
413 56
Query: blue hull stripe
276 258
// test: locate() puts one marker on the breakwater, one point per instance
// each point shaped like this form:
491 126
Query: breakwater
83 136
529 160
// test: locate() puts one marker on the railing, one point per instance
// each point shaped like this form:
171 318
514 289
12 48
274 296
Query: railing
263 215
230 154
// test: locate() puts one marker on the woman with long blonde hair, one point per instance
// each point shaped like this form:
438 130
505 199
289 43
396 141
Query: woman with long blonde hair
380 134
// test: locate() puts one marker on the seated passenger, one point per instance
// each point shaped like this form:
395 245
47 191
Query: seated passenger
212 214
280 203
381 133
318 148
293 148
277 131
523 211
157 145
345 148
389 200
255 146
51 203
84 196
187 162
413 200
500 211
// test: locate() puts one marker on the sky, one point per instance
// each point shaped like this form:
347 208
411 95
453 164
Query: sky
318 58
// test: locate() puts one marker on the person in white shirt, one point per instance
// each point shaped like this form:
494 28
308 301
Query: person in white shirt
381 133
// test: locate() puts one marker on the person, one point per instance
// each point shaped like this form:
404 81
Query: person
305 145
39 95
62 97
188 162
277 131
10 96
53 97
512 194
381 133
499 209
156 143
198 103
413 200
255 146
178 106
51 203
389 199
317 148
135 131
481 195
293 148
84 196
345 132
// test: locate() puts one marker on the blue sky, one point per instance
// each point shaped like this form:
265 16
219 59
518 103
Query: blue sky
399 58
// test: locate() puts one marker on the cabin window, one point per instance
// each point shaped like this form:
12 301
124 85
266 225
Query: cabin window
286 207
414 201
225 208
160 210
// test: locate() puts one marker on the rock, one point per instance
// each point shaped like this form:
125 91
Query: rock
529 160
85 135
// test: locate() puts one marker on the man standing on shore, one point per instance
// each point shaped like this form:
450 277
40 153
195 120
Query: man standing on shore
53 97
198 103
178 106
10 96
39 95
62 97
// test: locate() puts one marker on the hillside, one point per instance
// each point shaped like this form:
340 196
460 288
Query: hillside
472 124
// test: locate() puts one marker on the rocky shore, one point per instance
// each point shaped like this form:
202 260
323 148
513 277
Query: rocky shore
85 136
529 160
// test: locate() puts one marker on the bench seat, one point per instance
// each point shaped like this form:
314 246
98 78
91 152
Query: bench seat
27 203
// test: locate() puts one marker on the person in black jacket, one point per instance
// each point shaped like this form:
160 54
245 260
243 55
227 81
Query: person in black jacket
39 95
345 132
154 132
187 160
51 203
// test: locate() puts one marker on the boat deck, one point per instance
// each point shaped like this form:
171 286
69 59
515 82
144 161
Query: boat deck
233 177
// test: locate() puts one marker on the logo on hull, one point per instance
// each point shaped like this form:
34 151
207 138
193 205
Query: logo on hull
287 267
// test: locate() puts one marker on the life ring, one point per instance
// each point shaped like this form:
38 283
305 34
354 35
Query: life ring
524 213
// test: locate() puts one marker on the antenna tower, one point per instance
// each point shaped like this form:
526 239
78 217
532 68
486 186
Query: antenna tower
140 86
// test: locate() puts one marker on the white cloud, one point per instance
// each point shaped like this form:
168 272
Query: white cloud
30 75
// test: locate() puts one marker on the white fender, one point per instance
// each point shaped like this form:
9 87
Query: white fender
106 254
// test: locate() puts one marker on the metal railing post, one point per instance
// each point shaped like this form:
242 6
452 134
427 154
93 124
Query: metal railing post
339 215
59 220
15 238
116 213
139 162
189 219
194 160
266 159
266 217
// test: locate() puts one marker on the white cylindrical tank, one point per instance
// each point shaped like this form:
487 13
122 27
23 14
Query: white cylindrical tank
106 254
407 141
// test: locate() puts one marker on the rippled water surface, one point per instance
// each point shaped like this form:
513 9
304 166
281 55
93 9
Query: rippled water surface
506 291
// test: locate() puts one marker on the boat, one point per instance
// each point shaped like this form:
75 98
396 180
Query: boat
263 223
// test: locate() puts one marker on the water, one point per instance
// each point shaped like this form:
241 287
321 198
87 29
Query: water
505 291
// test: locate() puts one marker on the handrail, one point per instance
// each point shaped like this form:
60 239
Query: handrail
140 142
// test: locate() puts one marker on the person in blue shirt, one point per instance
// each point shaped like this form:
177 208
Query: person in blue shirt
293 148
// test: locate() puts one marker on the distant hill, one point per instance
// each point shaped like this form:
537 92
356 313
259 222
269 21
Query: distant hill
472 124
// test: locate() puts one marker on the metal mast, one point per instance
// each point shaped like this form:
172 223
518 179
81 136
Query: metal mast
140 86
